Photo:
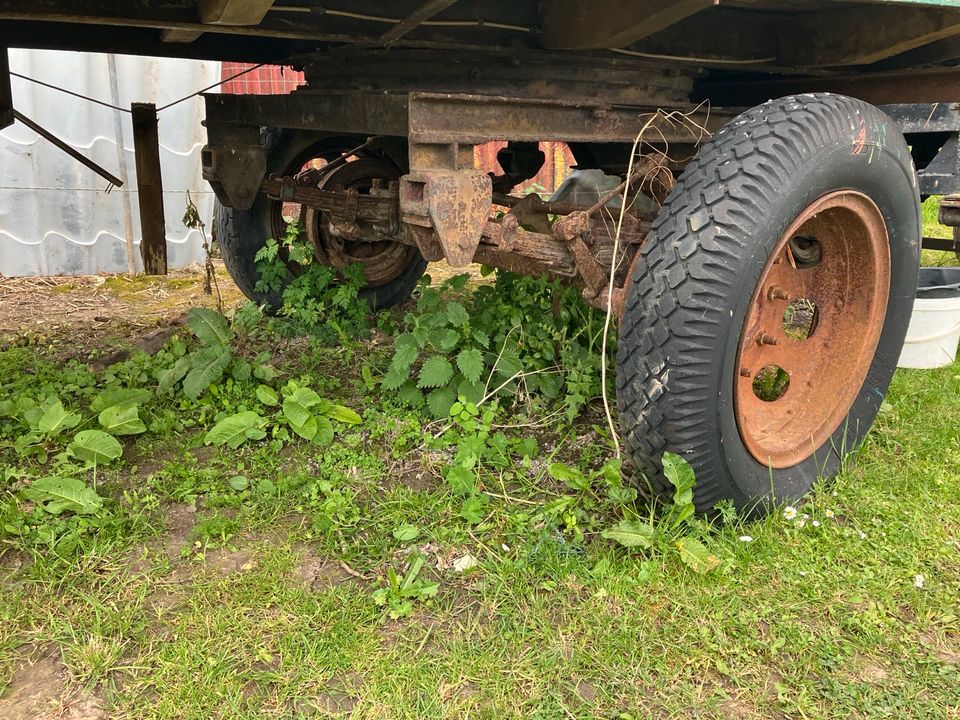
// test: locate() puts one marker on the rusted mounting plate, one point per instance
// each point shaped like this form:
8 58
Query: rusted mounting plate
795 381
456 203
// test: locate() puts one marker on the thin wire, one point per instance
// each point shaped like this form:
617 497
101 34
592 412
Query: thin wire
211 87
127 110
69 92
681 58
397 21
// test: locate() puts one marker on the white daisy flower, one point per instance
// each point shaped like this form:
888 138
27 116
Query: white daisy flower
801 523
816 523
918 580
745 538
863 535
829 514
789 512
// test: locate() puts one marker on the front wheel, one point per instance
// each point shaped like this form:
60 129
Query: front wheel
769 305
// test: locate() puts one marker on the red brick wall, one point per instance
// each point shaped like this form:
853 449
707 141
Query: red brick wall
276 80
268 80
555 168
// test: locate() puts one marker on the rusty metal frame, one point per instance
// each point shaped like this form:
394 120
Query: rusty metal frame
474 119
444 202
443 118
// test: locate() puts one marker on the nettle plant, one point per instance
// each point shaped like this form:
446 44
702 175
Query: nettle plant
311 294
522 336
479 449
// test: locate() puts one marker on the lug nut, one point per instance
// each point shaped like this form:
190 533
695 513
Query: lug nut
775 293
764 339
745 373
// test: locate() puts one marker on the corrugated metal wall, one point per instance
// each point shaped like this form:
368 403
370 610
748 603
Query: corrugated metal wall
55 218
273 79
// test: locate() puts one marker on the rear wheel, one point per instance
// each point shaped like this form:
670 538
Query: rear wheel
769 305
391 269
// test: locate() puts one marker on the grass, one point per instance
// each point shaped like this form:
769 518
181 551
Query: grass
216 598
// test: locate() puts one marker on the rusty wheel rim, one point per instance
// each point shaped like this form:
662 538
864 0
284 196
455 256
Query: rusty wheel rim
381 260
812 328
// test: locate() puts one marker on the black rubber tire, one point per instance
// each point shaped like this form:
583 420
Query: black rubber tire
241 233
693 283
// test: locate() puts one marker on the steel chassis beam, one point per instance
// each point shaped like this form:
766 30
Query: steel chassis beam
938 123
455 118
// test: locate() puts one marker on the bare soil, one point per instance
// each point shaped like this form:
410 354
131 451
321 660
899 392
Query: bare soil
37 309
39 690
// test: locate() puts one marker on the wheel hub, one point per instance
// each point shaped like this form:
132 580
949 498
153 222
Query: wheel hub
381 257
812 328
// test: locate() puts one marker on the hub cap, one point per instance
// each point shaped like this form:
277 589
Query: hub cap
812 328
381 257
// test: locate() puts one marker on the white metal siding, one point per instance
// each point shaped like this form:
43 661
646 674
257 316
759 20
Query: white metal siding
55 218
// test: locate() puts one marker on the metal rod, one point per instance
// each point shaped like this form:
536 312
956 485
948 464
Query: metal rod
112 179
6 94
122 165
942 244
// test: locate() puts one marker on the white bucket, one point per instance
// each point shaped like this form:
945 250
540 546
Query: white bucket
934 330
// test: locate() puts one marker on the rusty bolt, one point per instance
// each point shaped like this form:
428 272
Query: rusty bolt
775 293
764 339
745 373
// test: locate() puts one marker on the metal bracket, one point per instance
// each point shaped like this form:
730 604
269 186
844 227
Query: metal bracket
236 167
455 203
941 175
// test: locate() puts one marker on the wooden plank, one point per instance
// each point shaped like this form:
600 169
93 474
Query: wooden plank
233 12
860 36
6 95
409 23
576 25
146 147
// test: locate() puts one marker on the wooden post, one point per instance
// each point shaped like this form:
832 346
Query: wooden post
146 147
6 95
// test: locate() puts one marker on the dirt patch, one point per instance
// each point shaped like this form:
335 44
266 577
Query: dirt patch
586 692
121 307
868 670
40 690
411 474
318 573
180 521
940 649
228 562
